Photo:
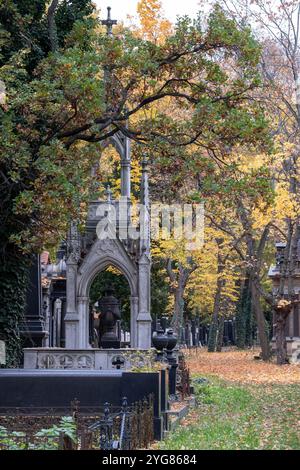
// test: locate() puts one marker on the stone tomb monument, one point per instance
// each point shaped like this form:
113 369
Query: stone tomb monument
86 256
67 344
107 241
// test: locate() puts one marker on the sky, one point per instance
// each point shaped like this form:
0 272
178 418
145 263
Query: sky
121 8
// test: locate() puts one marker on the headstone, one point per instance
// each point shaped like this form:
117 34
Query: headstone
2 353
33 327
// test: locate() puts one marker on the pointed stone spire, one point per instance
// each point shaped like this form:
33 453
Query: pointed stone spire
145 183
145 210
126 170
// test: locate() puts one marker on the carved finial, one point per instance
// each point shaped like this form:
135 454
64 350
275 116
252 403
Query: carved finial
108 193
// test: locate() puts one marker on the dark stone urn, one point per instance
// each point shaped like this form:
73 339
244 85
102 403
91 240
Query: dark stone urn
109 314
160 342
172 340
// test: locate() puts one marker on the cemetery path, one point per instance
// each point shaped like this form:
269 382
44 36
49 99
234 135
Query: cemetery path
242 403
240 366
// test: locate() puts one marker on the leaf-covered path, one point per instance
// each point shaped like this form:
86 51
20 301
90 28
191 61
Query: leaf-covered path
240 366
243 405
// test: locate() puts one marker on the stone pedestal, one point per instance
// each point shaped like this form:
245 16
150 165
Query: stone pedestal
94 359
144 318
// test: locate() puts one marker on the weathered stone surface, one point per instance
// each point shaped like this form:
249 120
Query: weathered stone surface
92 359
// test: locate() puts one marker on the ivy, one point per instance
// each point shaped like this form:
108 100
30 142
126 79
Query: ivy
45 439
14 274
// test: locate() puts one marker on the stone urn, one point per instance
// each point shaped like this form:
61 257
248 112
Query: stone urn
160 342
172 339
109 314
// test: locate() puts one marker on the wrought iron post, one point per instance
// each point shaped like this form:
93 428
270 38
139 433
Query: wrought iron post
125 426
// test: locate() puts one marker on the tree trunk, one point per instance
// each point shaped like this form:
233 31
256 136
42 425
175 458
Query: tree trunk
213 330
177 321
286 282
220 334
281 315
244 316
52 30
280 340
261 324
179 280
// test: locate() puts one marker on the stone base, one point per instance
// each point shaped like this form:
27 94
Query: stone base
33 332
95 359
293 348
111 344
32 391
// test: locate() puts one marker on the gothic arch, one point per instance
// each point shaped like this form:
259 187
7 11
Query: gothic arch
104 253
88 274
120 144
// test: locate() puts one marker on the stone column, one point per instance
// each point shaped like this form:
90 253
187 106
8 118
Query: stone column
83 314
134 311
145 211
57 310
71 318
125 178
125 169
144 317
47 317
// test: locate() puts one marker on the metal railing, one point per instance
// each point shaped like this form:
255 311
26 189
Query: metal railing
90 428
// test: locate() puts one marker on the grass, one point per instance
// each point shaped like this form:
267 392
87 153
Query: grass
240 416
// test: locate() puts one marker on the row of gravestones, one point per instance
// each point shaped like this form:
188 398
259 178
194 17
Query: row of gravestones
196 334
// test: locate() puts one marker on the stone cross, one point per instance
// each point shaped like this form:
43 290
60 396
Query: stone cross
108 22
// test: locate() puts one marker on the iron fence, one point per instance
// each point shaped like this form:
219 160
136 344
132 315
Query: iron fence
78 427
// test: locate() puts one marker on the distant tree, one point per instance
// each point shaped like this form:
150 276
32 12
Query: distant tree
277 26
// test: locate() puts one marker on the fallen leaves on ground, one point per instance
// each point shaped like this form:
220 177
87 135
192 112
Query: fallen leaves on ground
232 415
177 405
240 366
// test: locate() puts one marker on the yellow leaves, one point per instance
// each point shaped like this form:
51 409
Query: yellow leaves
109 172
169 249
248 162
154 27
261 215
286 204
202 283
114 270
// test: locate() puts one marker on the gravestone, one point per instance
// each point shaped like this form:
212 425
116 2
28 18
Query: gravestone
33 327
2 353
